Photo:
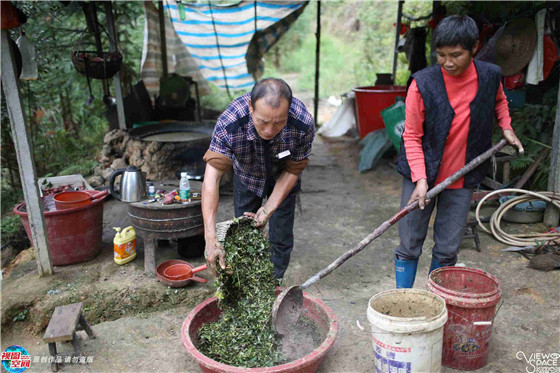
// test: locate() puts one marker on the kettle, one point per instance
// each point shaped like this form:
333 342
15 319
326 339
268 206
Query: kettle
133 185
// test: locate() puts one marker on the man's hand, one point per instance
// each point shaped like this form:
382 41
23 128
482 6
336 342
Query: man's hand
260 218
509 135
215 252
419 194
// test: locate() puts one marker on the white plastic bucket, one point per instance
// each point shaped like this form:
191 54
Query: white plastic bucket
407 330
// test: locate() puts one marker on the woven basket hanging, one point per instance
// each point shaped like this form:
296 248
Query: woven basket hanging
97 65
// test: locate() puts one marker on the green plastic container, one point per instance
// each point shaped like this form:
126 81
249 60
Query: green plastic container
393 117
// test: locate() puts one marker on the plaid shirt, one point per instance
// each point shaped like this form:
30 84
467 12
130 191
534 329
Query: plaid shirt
235 136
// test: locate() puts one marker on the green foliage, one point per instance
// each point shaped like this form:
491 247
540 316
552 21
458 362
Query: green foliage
66 134
378 37
218 99
10 197
21 316
12 233
243 336
83 166
11 224
533 125
357 41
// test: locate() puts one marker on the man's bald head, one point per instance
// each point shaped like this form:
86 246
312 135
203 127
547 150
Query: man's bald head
272 91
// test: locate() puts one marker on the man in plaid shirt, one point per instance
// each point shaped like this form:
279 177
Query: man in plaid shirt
266 135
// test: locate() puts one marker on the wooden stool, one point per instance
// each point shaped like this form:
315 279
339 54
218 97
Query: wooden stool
472 224
63 326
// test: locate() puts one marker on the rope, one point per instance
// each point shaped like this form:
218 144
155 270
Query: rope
84 32
218 47
256 16
527 239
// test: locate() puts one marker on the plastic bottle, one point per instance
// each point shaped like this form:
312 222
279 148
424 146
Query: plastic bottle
124 245
182 13
185 188
151 190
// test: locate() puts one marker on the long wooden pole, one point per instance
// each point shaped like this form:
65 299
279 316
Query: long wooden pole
317 59
405 211
117 78
161 15
27 172
397 33
551 214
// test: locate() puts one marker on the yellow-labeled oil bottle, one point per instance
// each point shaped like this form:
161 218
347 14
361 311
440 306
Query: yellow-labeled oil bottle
124 245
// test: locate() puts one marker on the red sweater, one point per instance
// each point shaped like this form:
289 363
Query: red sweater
461 90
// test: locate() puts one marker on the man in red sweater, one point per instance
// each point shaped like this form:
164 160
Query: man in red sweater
450 111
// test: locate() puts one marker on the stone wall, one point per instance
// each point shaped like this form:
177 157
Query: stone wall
157 159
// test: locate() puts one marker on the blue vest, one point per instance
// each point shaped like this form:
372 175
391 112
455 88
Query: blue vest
438 117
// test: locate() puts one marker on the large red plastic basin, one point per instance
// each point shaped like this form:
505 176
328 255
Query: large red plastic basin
369 103
313 309
74 234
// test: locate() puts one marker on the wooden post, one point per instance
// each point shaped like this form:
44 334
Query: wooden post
433 58
162 36
150 247
117 78
317 59
52 352
397 33
20 136
551 214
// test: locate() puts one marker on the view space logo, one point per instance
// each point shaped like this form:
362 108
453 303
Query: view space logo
540 362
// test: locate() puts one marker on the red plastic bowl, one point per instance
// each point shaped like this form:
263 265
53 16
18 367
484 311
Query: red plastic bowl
313 308
160 273
178 271
70 200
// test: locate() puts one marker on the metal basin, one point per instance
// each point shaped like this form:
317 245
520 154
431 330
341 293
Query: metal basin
151 130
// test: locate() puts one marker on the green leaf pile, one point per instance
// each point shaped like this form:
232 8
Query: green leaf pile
243 336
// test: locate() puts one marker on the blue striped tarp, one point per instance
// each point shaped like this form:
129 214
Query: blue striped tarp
226 42
179 60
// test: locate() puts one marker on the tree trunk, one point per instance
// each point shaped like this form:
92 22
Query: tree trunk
66 112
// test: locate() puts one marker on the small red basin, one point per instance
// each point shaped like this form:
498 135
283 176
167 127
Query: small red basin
161 273
69 200
178 271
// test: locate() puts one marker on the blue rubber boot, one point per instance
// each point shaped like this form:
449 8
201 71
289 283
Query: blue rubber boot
405 273
435 265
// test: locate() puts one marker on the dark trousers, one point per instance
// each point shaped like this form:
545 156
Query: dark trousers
281 224
449 226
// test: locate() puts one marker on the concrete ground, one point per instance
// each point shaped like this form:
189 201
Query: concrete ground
340 206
